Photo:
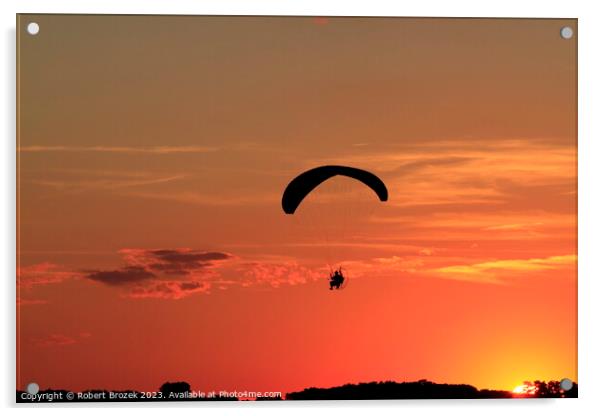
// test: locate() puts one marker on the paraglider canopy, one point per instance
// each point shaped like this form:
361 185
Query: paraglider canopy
306 182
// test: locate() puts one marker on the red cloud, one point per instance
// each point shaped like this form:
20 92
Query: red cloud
42 274
169 289
163 273
54 340
276 274
61 340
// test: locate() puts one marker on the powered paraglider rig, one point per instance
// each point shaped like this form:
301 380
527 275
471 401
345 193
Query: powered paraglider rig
305 183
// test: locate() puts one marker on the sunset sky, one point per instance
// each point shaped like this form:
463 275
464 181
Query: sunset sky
153 152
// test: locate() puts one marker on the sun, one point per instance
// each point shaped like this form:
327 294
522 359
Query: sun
524 389
519 389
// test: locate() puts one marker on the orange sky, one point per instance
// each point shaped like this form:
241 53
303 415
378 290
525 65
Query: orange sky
153 152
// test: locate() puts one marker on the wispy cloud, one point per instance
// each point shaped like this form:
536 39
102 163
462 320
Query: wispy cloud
121 149
494 271
104 184
42 274
378 267
467 223
458 172
207 199
425 163
60 340
276 274
513 227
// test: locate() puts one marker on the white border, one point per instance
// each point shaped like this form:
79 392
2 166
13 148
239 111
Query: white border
590 170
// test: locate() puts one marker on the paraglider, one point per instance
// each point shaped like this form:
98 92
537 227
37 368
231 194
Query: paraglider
337 279
301 186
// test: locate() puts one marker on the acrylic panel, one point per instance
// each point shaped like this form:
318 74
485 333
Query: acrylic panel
297 208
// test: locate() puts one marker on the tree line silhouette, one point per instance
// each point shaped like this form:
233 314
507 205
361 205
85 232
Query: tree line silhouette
424 389
381 390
